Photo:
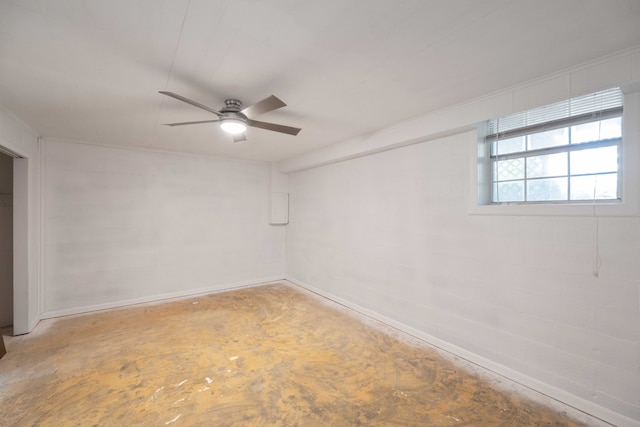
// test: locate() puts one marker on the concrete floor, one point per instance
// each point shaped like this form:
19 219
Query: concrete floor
266 356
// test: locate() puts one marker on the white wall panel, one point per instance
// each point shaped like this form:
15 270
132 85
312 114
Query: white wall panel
390 232
125 226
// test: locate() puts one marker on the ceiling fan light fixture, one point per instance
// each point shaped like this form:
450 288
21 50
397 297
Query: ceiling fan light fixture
234 119
233 126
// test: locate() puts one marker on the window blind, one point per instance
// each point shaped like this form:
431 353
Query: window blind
606 100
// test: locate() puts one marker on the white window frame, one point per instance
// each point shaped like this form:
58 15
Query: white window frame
628 205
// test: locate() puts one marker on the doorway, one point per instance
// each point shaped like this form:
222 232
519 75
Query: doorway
6 241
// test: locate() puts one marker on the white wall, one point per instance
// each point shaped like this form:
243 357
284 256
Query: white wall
388 228
391 233
6 240
19 139
123 226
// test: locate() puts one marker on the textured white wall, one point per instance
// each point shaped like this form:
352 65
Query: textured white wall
124 226
391 233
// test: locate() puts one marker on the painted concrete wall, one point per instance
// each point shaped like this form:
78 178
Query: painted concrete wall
6 240
124 226
17 137
392 229
391 233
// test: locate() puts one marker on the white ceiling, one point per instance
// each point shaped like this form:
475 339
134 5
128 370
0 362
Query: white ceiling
91 70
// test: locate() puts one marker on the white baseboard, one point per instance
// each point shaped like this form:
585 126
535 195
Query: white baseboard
563 397
161 297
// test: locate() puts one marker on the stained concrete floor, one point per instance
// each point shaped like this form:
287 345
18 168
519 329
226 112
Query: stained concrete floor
267 356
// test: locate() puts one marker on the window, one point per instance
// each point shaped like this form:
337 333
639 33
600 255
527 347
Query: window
566 152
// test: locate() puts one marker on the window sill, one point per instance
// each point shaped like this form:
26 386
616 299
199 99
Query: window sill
614 209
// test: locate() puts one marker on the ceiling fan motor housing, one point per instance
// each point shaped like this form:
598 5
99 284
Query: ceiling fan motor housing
231 119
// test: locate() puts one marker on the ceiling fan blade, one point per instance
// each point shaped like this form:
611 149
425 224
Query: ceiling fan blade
268 104
239 137
274 127
191 123
189 101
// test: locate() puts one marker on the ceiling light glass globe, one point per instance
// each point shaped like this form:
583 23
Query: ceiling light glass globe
233 126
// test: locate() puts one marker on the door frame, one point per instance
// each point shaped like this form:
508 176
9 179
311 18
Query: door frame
24 320
21 318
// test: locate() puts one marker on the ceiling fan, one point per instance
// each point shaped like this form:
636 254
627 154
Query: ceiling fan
234 119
